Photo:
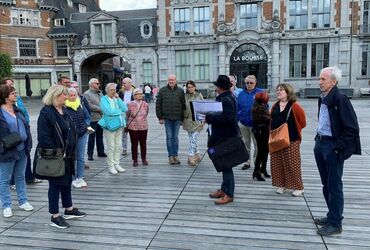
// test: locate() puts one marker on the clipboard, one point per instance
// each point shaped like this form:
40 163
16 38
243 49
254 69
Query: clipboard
199 108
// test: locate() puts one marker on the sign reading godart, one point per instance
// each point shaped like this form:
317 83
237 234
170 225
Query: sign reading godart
28 61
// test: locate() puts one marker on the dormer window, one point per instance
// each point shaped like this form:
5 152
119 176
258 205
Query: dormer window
146 29
25 17
70 3
59 22
82 8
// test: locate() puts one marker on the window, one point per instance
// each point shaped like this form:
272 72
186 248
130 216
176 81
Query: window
25 17
103 33
70 3
201 21
59 22
298 14
61 48
248 16
201 64
366 17
27 47
320 13
298 60
183 65
147 70
365 70
182 22
81 8
320 58
146 29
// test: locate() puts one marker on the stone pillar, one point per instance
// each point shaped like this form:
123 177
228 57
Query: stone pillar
222 50
275 61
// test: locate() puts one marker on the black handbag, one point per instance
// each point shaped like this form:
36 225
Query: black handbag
51 162
11 141
228 153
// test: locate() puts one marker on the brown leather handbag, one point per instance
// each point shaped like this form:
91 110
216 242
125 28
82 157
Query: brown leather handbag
279 137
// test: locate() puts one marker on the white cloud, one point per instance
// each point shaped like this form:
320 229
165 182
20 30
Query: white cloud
113 5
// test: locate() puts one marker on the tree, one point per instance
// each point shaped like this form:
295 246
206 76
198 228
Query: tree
5 65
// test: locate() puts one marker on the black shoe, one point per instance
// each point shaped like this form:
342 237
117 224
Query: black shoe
329 230
74 213
58 222
265 174
321 221
258 176
90 158
102 155
245 166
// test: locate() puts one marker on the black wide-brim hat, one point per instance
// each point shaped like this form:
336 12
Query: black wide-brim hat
223 82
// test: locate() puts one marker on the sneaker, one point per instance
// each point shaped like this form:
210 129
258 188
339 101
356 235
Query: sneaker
280 190
82 182
120 169
90 157
245 166
112 170
74 213
58 222
124 152
176 160
171 160
7 212
297 193
76 183
26 207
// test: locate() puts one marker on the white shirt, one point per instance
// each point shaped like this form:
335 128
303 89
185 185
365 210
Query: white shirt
127 96
147 89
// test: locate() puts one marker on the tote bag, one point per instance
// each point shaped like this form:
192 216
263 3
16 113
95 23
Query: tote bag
279 137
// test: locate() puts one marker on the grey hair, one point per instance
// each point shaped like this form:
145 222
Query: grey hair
110 85
335 73
71 90
92 81
251 77
127 79
50 98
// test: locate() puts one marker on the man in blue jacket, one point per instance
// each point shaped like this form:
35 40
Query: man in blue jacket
245 104
336 140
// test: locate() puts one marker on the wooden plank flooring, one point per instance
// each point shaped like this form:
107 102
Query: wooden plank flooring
167 207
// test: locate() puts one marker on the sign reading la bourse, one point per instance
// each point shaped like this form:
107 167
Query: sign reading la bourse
248 56
28 61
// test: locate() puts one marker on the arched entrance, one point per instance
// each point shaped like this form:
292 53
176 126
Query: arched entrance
249 59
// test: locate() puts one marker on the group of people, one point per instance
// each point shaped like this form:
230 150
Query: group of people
70 120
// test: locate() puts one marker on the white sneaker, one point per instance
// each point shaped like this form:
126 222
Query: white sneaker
297 193
82 182
112 170
280 190
76 183
26 207
7 212
120 169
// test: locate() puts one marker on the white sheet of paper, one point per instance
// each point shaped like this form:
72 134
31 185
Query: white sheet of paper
202 107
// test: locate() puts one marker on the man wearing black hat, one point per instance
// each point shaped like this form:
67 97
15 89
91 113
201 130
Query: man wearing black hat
223 125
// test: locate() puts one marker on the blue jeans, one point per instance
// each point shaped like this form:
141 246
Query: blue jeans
228 183
99 140
330 167
80 155
172 136
16 168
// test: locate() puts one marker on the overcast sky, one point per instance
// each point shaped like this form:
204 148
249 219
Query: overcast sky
112 5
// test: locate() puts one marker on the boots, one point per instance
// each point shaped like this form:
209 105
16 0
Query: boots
192 160
171 160
258 176
176 160
218 194
264 172
224 200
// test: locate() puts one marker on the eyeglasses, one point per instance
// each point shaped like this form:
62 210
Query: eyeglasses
250 83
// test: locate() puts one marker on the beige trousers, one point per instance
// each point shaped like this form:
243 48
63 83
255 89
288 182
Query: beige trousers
248 137
114 146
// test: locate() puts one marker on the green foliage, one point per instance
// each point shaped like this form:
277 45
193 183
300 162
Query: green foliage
5 66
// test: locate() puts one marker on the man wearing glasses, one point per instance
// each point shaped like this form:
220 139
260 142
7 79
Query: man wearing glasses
245 103
93 96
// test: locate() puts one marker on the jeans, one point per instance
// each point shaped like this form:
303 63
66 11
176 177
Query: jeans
248 137
99 140
28 175
16 168
124 141
330 167
80 156
172 136
53 195
147 97
136 137
193 143
228 183
114 146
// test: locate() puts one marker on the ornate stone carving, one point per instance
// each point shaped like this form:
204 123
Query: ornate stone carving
192 39
226 28
86 40
122 39
264 41
274 24
188 2
232 44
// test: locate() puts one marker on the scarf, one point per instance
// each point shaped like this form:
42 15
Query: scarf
73 105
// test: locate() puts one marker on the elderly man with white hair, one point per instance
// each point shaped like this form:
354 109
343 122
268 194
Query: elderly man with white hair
93 96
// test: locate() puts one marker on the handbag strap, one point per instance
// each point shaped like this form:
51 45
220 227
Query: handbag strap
287 117
59 132
136 113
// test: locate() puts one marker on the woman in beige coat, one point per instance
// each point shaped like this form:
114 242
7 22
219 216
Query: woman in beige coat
192 127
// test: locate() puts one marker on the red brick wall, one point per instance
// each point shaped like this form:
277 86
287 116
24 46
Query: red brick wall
229 11
356 17
283 14
338 13
267 10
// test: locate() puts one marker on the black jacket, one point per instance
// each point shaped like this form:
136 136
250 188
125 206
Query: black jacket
344 124
223 124
170 103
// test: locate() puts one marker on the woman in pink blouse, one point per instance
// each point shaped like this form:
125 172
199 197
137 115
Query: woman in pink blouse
138 126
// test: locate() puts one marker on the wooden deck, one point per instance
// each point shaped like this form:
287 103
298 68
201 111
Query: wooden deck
167 207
